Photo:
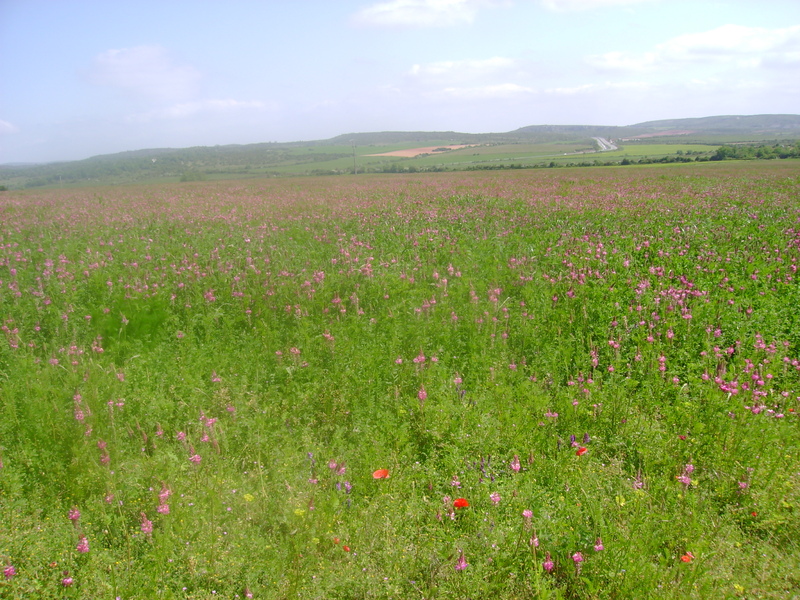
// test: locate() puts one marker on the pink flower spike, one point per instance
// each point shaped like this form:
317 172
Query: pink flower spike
548 563
515 464
147 525
67 581
83 545
494 497
9 571
598 546
461 564
577 558
74 514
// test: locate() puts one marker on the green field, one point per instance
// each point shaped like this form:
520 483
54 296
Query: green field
548 383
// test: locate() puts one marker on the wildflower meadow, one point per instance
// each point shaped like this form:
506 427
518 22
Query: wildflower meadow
531 384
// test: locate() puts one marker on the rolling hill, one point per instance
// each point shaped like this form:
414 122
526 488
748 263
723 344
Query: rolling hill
338 154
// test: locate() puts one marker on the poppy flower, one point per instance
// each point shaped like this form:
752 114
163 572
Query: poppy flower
346 548
381 474
687 557
460 503
581 451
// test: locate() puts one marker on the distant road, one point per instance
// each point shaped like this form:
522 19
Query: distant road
605 145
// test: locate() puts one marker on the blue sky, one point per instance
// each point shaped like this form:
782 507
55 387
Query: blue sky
80 78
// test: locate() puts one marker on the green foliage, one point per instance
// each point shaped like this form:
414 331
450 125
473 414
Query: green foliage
249 354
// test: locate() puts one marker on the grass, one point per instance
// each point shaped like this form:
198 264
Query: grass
211 373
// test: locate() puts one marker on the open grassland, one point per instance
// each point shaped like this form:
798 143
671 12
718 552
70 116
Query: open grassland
534 384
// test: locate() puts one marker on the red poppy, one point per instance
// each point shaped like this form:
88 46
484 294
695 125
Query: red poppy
460 503
346 548
381 474
581 451
335 540
687 557
754 514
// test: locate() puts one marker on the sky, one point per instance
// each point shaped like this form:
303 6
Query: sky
79 78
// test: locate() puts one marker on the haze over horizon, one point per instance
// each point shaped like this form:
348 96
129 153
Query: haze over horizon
84 78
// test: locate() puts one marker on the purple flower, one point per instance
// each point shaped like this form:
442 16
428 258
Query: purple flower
147 525
577 558
548 563
598 546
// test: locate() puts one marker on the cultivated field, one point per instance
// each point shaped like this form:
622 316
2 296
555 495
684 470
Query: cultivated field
566 383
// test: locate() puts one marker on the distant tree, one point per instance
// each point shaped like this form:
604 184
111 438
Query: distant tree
193 176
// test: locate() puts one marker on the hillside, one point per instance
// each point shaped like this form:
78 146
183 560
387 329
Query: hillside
527 146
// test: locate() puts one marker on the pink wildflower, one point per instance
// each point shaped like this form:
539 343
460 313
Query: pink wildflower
147 525
598 546
83 545
164 494
577 558
495 497
74 514
515 464
461 564
548 563
9 571
67 581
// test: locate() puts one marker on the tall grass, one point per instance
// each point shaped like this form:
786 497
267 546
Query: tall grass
201 386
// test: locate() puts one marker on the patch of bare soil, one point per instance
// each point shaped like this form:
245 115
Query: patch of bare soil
412 152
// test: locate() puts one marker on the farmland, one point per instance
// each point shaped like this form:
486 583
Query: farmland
554 383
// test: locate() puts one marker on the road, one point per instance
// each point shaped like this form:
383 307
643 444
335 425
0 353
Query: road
605 145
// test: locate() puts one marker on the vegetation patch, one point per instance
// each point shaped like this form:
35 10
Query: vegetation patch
568 383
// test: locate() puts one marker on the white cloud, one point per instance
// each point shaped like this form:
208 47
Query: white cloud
502 90
7 128
463 67
185 110
421 13
741 46
592 88
579 5
145 70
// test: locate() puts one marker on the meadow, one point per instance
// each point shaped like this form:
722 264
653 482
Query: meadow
555 383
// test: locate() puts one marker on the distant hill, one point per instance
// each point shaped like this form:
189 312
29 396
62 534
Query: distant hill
730 124
334 154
